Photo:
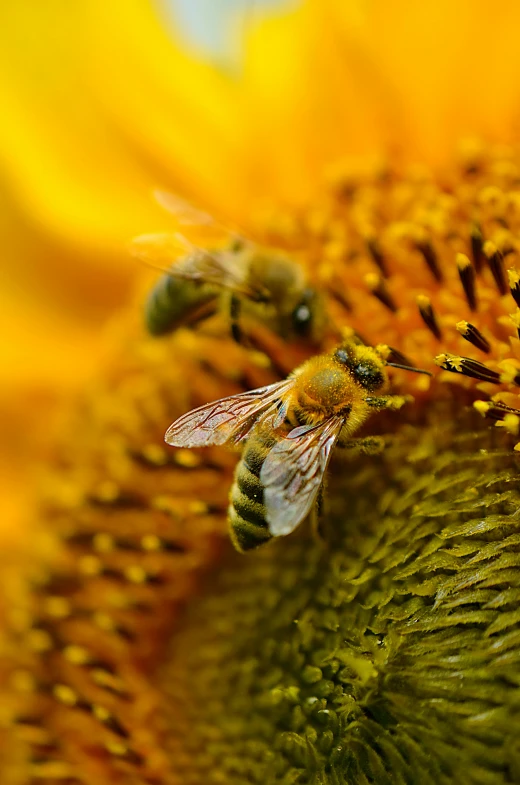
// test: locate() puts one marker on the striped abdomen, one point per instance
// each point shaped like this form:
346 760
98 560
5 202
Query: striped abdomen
246 512
175 301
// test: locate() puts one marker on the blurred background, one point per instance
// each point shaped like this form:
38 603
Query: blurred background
91 98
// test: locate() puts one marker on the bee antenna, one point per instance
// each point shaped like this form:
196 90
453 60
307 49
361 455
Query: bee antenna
408 368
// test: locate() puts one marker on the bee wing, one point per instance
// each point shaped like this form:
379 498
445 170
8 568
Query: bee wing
224 268
159 249
229 419
293 472
188 215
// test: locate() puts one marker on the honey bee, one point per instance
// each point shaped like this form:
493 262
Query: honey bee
241 276
290 429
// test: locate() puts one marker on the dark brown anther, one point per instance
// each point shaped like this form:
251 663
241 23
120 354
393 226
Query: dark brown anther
474 336
468 280
477 244
337 291
514 285
377 255
428 315
427 251
467 367
494 410
378 287
495 261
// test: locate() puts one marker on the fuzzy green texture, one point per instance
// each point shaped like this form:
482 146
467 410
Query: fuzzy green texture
391 655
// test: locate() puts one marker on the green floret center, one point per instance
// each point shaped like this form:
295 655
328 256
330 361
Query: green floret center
390 654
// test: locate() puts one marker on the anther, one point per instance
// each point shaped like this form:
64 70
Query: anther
515 318
495 261
467 367
76 655
494 410
429 255
514 284
108 720
428 315
65 694
379 289
477 242
474 336
467 278
510 374
376 254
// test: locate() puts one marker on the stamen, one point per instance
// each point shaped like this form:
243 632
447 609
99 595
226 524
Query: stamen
514 284
430 257
477 243
467 367
377 285
515 318
474 336
376 254
495 261
499 412
510 374
467 278
428 315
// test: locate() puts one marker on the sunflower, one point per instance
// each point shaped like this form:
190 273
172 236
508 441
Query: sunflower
138 646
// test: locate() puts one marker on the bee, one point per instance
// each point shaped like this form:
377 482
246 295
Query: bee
289 430
241 276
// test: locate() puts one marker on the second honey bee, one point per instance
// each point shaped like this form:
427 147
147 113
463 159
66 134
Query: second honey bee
241 277
290 429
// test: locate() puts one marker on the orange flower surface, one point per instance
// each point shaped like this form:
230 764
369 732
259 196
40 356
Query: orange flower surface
138 647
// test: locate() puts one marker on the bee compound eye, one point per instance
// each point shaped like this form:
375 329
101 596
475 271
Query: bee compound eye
302 316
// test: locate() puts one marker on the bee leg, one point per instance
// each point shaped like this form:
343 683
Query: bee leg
318 515
387 401
370 445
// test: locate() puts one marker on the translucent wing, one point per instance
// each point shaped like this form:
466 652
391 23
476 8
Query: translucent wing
224 268
196 221
229 419
293 472
185 213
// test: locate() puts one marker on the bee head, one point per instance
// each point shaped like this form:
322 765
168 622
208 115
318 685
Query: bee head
364 364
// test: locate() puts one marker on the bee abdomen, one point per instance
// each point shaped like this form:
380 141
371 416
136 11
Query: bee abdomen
173 302
246 506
